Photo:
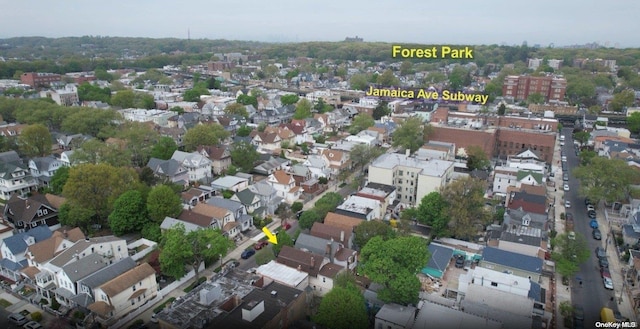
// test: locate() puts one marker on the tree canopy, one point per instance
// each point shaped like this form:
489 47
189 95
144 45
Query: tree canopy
244 156
164 148
343 308
303 109
129 213
162 202
569 253
179 248
394 264
467 215
372 228
289 99
409 135
598 183
361 122
236 109
284 239
433 211
477 158
35 141
204 134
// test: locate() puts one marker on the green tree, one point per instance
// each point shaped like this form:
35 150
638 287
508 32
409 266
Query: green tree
633 122
152 231
244 131
236 109
361 122
308 218
102 74
598 183
289 99
467 215
368 229
343 308
322 107
247 100
177 109
359 82
139 139
344 279
193 248
164 149
58 180
75 215
284 239
459 77
193 94
203 134
622 100
586 156
361 155
502 109
163 202
124 99
569 252
231 170
95 151
303 109
35 141
387 78
264 255
535 98
582 137
409 135
433 211
477 158
328 203
406 68
129 213
97 186
90 121
394 264
89 92
382 109
244 156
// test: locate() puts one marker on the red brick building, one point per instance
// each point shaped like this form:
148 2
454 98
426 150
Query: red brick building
520 87
36 80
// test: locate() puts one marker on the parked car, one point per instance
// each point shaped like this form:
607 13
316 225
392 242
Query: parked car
578 312
252 270
596 234
587 202
603 263
600 253
459 261
593 224
154 318
286 226
32 325
604 272
591 214
17 319
247 253
567 204
566 187
590 207
608 284
565 177
260 245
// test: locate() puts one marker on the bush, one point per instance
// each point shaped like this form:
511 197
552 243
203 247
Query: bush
78 315
36 316
162 306
195 284
44 301
296 206
136 324
55 305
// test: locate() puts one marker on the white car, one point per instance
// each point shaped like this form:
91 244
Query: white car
566 187
608 284
567 204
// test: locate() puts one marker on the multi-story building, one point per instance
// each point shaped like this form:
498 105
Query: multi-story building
68 96
412 178
520 87
35 79
159 117
199 167
15 176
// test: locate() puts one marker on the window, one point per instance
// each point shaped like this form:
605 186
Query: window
134 287
400 173
133 302
494 284
324 279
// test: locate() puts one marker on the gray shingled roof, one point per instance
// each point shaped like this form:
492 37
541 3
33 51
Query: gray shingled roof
314 244
84 266
169 167
17 243
512 259
246 196
107 273
230 205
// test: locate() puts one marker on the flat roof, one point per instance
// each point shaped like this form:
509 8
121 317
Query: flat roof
282 273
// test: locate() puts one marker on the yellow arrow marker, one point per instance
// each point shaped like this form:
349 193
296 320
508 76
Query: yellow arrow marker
272 238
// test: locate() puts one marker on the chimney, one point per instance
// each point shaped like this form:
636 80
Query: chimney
313 262
407 152
26 204
342 236
64 233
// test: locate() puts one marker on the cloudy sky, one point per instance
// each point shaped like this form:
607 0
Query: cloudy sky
562 22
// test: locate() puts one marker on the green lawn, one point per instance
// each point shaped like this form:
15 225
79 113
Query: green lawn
4 303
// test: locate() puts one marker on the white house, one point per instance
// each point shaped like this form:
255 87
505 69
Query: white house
285 186
44 168
198 166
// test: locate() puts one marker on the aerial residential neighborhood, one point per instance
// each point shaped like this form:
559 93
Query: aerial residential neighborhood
215 185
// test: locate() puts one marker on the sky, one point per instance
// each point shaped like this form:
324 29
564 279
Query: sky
460 22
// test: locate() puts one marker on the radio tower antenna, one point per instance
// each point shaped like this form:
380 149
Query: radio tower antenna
188 34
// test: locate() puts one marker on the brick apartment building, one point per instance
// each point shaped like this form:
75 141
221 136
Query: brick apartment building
35 79
553 88
220 66
498 136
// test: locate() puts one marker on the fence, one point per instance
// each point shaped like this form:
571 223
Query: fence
122 321
141 242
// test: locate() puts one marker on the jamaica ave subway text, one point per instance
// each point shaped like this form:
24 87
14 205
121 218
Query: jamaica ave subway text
435 52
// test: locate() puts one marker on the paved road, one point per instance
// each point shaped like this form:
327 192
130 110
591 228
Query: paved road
592 295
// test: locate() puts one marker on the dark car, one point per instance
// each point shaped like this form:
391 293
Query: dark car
596 234
587 202
247 253
603 262
600 252
591 214
565 177
460 261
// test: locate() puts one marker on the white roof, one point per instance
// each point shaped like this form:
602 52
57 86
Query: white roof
436 168
282 273
433 315
228 181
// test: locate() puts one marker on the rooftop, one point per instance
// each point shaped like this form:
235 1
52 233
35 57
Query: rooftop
282 273
436 168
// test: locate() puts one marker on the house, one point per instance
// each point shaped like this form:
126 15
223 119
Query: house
386 194
265 142
68 277
337 234
364 208
318 166
348 223
15 177
124 293
271 165
196 194
169 170
198 166
13 251
69 142
244 220
302 175
250 200
169 223
394 316
511 262
230 183
528 202
437 315
338 160
269 199
284 275
311 264
335 251
220 157
36 210
43 168
176 133
285 186
87 285
67 158
439 261
215 217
